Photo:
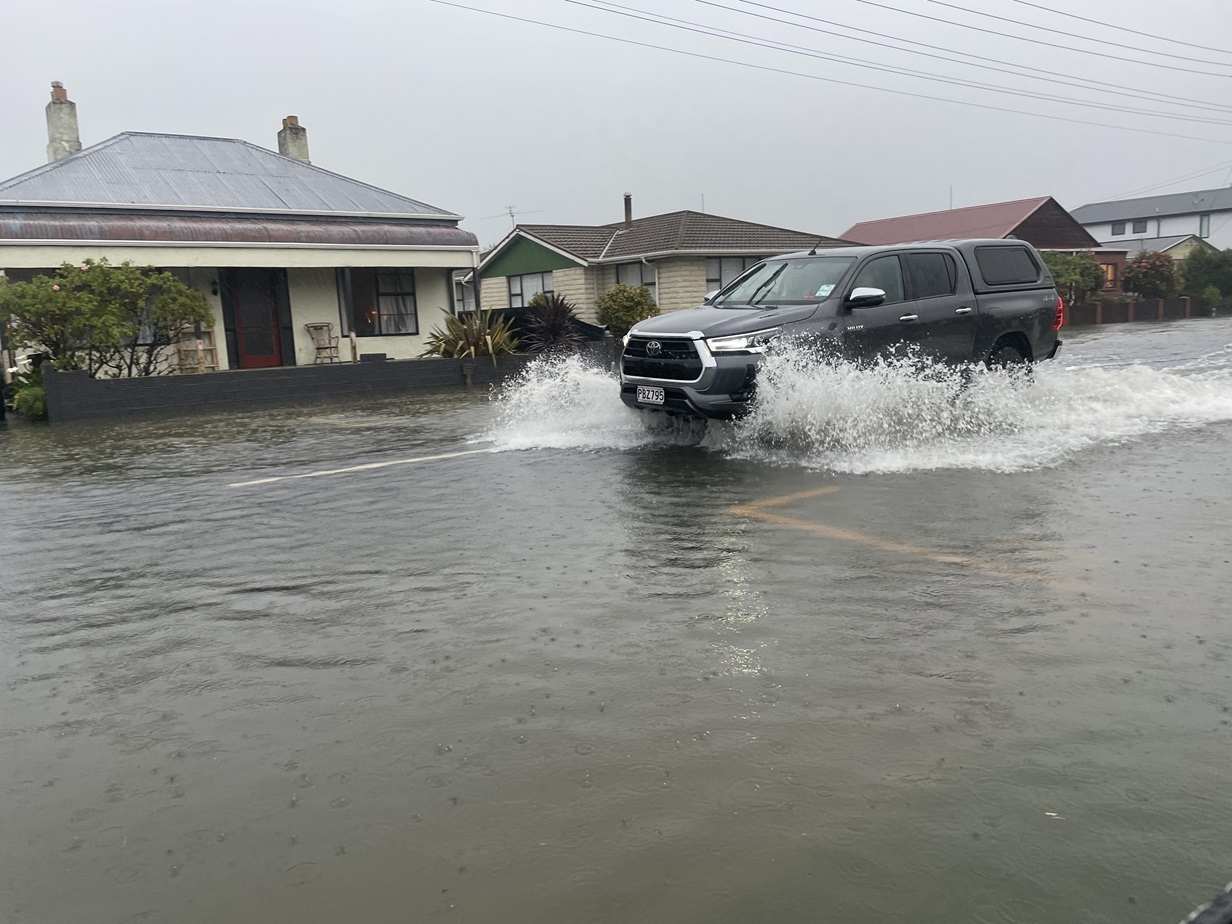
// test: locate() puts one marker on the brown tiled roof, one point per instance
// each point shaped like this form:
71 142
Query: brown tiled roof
995 220
676 232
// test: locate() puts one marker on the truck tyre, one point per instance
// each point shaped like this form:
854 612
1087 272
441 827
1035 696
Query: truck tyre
1006 356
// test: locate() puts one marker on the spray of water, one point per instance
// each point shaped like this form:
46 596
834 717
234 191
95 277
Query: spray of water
890 416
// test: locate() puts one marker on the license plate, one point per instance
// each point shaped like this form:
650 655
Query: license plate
649 394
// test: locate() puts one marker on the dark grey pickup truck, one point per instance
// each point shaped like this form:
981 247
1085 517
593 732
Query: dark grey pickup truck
955 302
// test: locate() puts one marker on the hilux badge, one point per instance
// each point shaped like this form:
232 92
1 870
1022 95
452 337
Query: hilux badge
654 348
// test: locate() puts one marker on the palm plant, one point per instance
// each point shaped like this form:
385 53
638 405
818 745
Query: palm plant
551 326
472 335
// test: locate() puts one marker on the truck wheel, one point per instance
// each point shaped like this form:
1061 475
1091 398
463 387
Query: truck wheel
1006 356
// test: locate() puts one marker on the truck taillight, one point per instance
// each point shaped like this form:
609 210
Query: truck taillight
1060 318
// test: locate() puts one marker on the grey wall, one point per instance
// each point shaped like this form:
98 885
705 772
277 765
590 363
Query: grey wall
76 396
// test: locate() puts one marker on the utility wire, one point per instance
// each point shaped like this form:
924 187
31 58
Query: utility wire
1093 85
1085 38
831 80
1022 38
1179 179
1108 25
741 38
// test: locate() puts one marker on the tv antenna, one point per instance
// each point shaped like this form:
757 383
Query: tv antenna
513 212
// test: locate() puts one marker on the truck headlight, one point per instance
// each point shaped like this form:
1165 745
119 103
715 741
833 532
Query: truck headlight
755 342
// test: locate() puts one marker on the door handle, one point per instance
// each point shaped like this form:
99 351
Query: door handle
909 317
963 311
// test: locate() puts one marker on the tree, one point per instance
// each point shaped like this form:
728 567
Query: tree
1077 275
1152 275
621 306
1205 267
122 320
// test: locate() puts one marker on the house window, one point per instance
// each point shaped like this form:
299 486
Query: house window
1139 226
637 275
1110 275
721 271
379 302
525 287
463 296
1118 228
1204 225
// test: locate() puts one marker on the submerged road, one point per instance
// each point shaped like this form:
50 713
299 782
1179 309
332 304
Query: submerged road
887 650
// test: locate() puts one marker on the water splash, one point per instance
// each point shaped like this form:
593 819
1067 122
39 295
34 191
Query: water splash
887 417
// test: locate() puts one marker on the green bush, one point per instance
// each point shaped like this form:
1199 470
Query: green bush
1212 299
29 397
1077 275
1152 275
474 334
621 306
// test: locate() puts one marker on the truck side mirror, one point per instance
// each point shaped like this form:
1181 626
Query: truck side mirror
710 297
865 297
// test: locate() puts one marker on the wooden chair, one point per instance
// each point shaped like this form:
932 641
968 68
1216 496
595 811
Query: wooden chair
324 339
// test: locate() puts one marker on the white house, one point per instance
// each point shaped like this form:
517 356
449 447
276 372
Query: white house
272 240
1162 221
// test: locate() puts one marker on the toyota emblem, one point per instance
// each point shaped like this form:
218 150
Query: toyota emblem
654 348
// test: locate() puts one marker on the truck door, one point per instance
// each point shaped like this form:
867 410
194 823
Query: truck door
945 304
888 327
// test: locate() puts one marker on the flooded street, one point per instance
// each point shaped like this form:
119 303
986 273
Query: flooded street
890 648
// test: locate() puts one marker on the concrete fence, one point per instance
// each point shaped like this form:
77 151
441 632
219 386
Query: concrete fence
76 396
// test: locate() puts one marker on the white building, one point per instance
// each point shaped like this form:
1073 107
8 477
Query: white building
273 241
1206 214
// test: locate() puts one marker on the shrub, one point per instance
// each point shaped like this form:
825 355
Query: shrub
1077 275
1152 275
551 326
621 306
474 334
1212 299
1205 267
29 398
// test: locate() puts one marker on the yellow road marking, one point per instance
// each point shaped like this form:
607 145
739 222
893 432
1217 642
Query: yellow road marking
758 511
360 468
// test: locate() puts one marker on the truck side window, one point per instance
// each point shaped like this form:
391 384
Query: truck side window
932 274
1002 266
883 273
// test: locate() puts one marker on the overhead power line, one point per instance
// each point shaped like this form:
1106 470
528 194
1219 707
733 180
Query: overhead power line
818 77
1022 38
1109 25
1218 168
1085 38
1035 73
743 39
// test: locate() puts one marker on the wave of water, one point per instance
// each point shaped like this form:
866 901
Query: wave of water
890 417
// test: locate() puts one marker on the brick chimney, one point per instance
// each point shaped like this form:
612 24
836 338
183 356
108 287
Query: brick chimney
293 140
63 138
628 210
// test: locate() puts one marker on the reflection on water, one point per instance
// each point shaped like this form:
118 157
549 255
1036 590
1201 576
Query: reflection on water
569 684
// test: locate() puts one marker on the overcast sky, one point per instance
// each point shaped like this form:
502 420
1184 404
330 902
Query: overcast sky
475 113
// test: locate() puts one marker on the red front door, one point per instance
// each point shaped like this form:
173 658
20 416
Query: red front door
255 301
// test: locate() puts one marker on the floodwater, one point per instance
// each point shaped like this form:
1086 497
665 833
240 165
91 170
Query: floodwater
891 648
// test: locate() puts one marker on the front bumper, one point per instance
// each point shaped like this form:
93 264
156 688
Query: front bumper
723 390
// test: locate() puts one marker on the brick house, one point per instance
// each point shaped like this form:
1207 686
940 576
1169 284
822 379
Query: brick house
1041 222
678 256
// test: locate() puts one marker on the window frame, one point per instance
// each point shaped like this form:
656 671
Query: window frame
349 305
902 274
644 270
546 283
1204 225
1114 232
1139 226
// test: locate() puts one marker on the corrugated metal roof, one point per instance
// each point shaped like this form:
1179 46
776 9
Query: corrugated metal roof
995 220
194 173
675 232
1186 203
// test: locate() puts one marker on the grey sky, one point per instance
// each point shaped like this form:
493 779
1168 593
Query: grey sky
475 113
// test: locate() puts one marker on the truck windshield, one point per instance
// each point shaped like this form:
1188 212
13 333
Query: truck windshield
786 282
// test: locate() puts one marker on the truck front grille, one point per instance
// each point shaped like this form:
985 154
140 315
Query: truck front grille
674 360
